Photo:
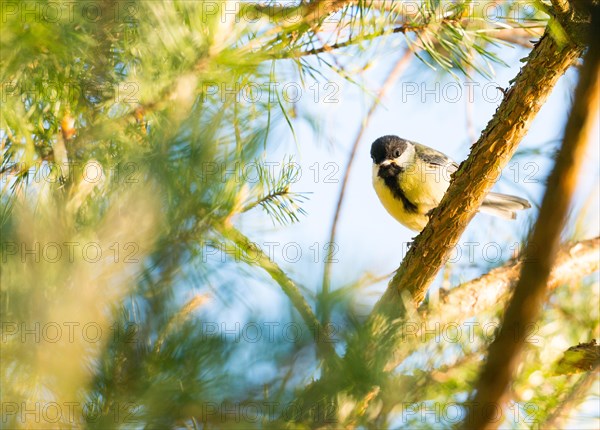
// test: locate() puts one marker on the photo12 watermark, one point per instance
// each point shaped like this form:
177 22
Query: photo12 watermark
283 12
69 252
463 332
252 172
452 413
256 412
64 332
32 414
288 12
271 92
474 251
259 332
249 332
49 91
451 92
290 252
70 12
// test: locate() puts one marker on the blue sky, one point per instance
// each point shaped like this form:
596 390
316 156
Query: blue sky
425 106
368 239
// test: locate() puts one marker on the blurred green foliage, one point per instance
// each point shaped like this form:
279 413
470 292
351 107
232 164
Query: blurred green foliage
113 122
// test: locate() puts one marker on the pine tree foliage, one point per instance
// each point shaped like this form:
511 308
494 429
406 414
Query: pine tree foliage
274 192
124 125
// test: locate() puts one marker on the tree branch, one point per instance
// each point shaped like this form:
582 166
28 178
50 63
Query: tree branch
574 261
560 6
546 64
516 35
287 285
179 318
531 289
319 9
328 48
311 12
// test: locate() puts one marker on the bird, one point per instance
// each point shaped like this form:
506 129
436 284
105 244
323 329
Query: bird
410 180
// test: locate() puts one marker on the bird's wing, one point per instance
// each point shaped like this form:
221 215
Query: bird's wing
436 158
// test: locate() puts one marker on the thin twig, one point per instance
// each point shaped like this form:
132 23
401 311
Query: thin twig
396 72
180 317
502 35
271 196
328 48
312 14
576 395
324 343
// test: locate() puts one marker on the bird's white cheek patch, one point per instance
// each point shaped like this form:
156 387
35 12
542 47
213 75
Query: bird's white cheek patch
404 159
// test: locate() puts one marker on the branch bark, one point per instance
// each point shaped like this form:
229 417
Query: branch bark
517 35
573 262
328 48
311 12
546 64
531 289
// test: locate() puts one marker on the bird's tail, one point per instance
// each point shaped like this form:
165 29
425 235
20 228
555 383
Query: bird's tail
503 205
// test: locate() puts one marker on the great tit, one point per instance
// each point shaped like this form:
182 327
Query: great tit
410 180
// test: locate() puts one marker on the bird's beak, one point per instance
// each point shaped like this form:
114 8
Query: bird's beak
386 163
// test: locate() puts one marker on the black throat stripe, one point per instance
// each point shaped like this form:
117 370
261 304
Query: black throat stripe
390 177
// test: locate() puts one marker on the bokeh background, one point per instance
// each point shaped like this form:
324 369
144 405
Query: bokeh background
180 333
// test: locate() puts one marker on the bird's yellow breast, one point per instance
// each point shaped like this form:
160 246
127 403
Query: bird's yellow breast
424 188
413 220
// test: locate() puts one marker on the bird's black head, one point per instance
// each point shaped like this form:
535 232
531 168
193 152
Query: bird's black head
387 148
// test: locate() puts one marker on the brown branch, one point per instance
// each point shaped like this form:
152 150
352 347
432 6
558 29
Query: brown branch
546 64
530 292
396 72
517 35
574 261
319 9
311 12
314 11
328 48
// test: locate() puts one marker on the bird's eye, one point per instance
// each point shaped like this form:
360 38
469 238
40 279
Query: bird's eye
397 153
